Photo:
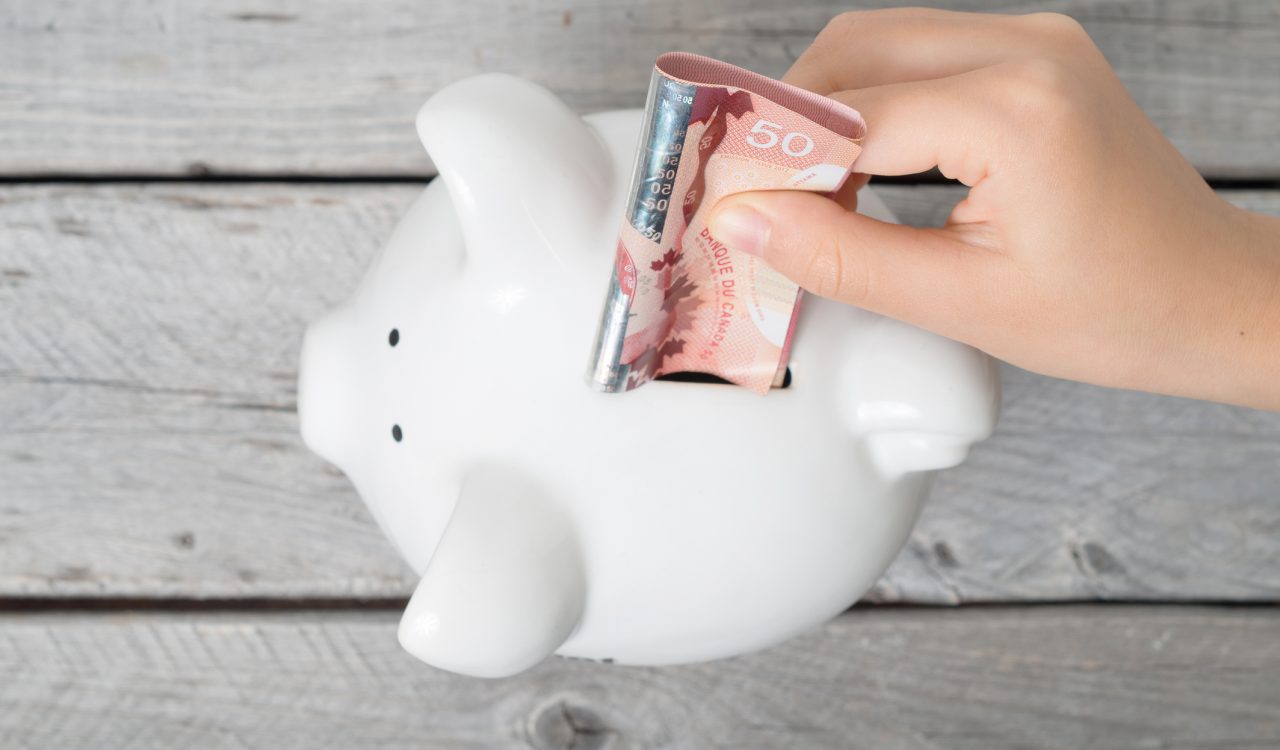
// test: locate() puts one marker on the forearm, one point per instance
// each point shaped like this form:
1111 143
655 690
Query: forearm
1259 330
1240 358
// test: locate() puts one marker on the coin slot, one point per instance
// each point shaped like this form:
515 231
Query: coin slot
709 379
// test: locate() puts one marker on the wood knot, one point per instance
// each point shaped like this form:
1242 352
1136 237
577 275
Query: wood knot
1093 558
564 725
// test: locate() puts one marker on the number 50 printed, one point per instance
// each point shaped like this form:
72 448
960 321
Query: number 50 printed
792 144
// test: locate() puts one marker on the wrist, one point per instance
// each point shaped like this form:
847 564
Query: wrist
1250 365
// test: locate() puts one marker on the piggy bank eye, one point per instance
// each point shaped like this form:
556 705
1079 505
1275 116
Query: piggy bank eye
396 433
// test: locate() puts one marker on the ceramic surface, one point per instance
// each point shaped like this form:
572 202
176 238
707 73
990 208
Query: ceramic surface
678 522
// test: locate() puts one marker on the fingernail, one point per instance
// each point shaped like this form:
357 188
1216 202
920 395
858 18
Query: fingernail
742 228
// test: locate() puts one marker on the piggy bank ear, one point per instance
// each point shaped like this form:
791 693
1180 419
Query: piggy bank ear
517 161
919 400
506 585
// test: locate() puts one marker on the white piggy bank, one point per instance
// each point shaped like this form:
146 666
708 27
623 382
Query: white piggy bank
678 522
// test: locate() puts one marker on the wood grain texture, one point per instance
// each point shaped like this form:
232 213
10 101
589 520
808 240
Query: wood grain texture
148 344
1095 677
283 86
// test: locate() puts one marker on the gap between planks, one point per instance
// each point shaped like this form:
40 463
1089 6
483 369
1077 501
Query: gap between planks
891 679
268 604
138 312
930 178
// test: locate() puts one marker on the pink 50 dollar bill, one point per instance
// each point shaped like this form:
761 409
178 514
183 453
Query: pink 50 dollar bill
680 300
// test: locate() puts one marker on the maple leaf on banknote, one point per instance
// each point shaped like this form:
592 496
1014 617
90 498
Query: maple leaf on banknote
682 289
668 260
683 318
681 302
671 348
644 367
680 299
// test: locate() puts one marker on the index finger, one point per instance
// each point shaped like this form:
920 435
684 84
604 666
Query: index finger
861 49
946 123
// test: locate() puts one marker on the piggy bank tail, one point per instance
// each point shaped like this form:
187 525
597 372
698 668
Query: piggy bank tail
505 587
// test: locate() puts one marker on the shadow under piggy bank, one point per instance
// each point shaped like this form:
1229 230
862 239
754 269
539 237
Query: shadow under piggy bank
675 523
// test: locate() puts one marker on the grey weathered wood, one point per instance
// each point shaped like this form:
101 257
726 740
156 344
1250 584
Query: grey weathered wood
972 679
147 377
148 446
331 87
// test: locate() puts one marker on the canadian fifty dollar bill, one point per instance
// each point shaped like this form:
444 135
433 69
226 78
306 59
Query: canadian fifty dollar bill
679 299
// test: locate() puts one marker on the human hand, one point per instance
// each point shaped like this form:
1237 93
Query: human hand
1087 248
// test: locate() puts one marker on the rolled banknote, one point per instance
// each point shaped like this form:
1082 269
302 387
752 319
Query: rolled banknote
680 300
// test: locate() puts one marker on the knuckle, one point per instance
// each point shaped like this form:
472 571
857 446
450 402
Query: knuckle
843 24
838 30
833 272
1063 36
1041 90
1057 26
822 56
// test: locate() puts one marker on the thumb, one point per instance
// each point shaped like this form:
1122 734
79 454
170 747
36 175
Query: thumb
922 276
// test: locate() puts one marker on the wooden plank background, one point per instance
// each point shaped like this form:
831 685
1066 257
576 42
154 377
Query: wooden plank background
151 446
1111 678
165 539
286 86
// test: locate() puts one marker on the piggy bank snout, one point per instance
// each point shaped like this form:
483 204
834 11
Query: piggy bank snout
327 393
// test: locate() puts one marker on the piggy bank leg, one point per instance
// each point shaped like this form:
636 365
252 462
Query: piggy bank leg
505 587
